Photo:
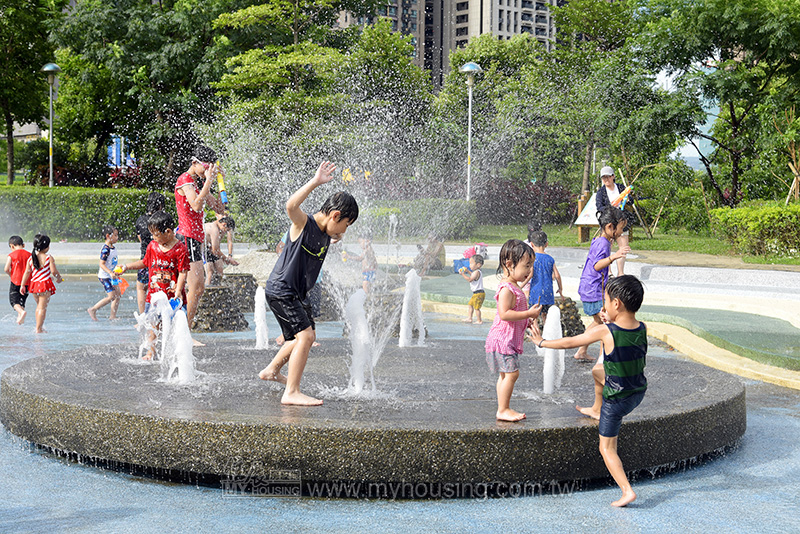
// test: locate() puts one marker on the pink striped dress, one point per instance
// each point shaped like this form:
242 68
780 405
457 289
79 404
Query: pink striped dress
505 337
41 281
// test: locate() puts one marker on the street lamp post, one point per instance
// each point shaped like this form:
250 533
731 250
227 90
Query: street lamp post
52 70
470 69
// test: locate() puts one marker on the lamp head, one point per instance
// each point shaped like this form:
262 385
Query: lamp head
51 69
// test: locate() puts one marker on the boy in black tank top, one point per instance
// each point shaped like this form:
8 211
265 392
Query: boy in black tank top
622 380
295 274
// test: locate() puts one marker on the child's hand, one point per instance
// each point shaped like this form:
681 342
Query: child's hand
534 311
58 278
560 295
324 173
604 316
623 251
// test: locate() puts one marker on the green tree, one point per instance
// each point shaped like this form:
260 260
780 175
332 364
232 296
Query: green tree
730 53
24 49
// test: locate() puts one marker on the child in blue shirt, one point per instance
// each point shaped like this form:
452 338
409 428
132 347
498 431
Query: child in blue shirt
107 276
544 272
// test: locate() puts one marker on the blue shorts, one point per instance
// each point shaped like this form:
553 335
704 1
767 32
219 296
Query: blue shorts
592 308
367 276
502 363
142 276
107 285
614 410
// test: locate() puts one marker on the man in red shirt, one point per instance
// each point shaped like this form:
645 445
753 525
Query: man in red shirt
189 202
167 263
15 267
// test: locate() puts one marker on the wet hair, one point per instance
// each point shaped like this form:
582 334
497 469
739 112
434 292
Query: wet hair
108 230
40 242
16 241
609 215
155 202
229 222
343 202
514 251
628 289
161 221
539 239
205 154
478 259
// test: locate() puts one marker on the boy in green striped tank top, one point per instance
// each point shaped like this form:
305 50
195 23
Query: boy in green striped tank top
624 342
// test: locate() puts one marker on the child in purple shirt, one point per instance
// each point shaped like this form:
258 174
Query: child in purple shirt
594 278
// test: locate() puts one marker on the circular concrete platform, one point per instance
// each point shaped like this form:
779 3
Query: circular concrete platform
432 422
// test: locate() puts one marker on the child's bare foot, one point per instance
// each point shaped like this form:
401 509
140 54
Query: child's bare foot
315 344
299 399
510 415
478 322
583 356
467 320
114 318
628 496
40 331
279 340
589 412
149 355
196 343
21 317
269 374
92 313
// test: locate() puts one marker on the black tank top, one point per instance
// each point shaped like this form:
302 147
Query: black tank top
299 264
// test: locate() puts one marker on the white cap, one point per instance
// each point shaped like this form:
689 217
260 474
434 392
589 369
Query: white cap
606 171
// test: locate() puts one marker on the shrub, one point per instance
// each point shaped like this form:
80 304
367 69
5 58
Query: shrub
505 202
685 210
72 212
760 229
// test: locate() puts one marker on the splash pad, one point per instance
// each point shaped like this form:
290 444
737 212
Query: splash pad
432 424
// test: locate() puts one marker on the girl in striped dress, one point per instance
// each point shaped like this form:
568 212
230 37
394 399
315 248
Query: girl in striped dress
38 277
504 342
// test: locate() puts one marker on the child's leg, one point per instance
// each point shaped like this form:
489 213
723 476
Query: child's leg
505 387
599 376
195 286
622 241
141 296
102 302
297 363
608 449
116 298
583 352
42 299
209 270
21 313
478 319
469 315
151 343
273 370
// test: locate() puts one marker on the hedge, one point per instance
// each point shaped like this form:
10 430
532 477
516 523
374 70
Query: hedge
75 213
450 219
760 229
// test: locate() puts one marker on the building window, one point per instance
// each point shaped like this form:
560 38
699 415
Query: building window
461 19
413 26
461 31
392 11
413 13
461 44
462 6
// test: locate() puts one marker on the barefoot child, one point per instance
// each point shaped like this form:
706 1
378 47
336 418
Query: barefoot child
504 342
215 259
295 274
475 279
544 272
107 276
15 267
167 264
624 342
369 263
38 272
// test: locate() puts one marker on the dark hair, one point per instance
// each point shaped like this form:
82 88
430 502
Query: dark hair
229 222
628 289
538 239
514 251
155 202
161 221
40 242
16 241
205 154
343 202
478 259
609 215
108 230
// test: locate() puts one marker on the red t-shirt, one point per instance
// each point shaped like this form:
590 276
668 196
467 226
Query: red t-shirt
190 222
163 268
19 259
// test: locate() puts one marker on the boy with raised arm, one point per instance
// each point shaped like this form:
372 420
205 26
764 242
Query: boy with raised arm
295 274
624 341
